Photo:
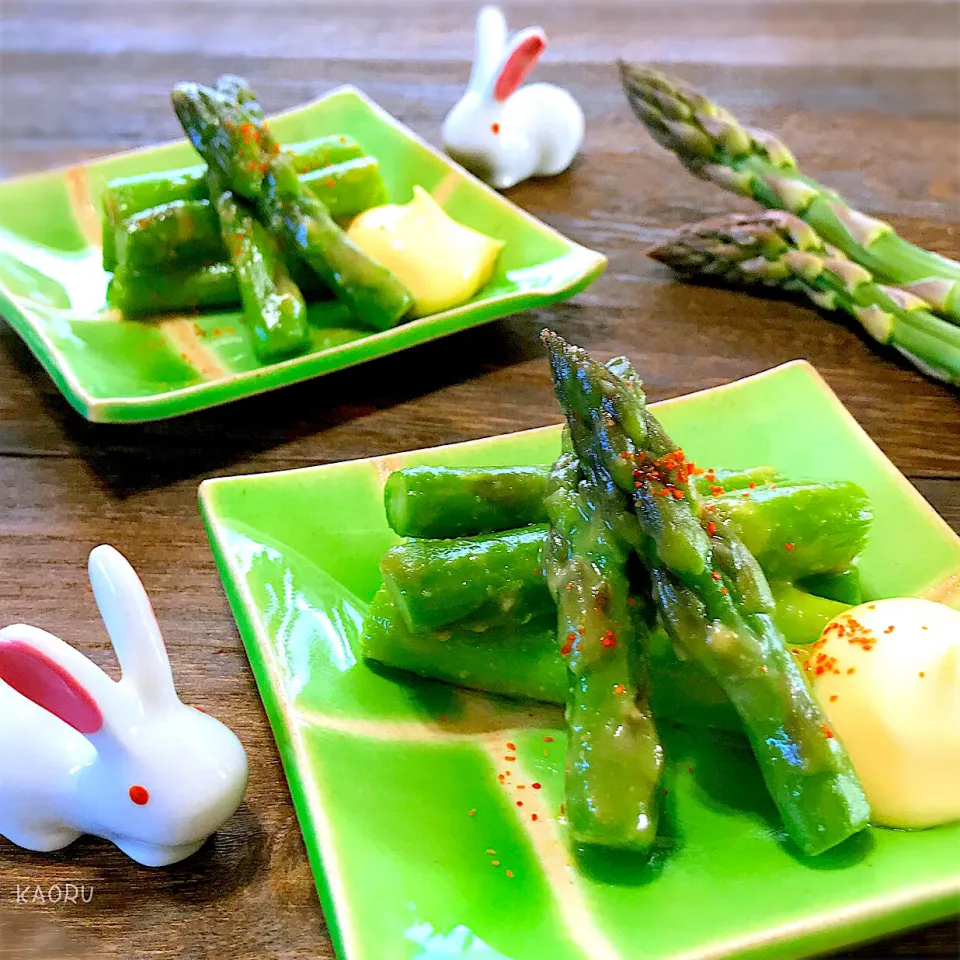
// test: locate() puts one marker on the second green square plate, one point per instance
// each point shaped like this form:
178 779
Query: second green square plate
52 285
425 847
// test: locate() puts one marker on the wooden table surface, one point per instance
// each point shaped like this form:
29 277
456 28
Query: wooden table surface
866 94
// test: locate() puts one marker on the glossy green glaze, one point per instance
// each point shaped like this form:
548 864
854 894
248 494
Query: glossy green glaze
53 287
385 769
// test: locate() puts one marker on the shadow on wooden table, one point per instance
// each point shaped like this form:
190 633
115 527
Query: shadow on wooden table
137 457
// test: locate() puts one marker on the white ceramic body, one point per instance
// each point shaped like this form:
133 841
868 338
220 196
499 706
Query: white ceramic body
503 132
155 777
540 131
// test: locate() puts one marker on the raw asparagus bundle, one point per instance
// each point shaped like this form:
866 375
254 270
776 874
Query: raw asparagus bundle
125 197
614 759
712 599
252 165
715 146
777 249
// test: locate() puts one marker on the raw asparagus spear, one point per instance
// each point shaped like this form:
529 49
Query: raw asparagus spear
798 530
515 660
187 232
464 501
776 249
273 307
715 146
614 758
713 600
477 581
255 167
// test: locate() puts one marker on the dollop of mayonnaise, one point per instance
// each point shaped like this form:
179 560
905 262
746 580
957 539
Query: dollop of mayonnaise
887 674
441 262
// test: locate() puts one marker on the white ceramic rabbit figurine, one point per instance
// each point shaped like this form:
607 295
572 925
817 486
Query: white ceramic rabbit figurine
127 761
504 134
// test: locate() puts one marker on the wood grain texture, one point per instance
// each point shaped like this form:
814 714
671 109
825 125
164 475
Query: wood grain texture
876 118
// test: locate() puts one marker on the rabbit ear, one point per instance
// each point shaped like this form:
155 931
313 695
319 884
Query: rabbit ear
525 50
51 674
132 625
490 46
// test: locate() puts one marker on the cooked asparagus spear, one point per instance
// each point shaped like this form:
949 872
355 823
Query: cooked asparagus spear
138 294
182 233
464 501
524 661
476 581
252 164
126 196
713 599
510 658
797 530
442 582
715 146
776 249
273 307
614 758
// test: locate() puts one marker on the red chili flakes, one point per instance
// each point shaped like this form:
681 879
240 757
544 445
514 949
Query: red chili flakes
752 485
609 639
510 759
568 645
500 777
535 786
890 629
851 670
827 731
472 813
724 591
548 739
689 769
521 786
716 575
619 688
494 863
773 486
716 490
533 816
511 746
789 546
763 669
519 803
711 528
492 853
833 697
745 493
921 674
510 874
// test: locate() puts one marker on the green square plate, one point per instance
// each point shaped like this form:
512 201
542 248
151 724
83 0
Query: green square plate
395 781
52 285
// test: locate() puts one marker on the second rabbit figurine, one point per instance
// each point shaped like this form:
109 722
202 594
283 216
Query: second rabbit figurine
501 131
124 760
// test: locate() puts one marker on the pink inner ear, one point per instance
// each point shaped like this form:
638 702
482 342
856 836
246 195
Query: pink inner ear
518 65
42 680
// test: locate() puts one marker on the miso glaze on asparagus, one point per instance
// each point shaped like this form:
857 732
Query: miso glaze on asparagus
713 599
